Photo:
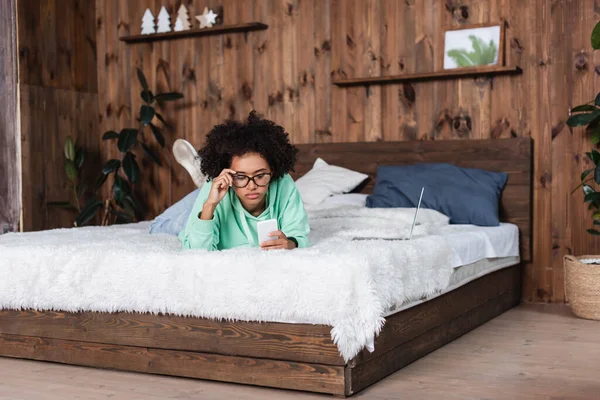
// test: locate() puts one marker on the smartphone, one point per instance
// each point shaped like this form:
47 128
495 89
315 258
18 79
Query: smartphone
264 228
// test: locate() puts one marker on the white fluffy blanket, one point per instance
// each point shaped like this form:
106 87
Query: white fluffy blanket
350 222
343 283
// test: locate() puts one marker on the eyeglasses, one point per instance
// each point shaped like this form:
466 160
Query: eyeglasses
241 181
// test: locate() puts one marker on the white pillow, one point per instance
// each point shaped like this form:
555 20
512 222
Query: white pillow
325 180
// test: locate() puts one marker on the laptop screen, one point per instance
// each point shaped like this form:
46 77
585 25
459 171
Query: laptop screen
416 213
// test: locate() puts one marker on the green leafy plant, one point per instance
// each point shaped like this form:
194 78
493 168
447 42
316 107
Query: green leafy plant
122 205
588 116
74 159
482 54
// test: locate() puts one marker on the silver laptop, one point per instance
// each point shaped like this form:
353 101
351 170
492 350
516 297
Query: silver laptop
411 228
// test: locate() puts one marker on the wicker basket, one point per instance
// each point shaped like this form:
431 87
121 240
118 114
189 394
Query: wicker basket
582 285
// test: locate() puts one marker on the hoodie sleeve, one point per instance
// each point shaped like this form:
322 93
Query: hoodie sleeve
198 233
294 221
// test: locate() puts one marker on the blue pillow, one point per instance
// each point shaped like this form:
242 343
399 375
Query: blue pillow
173 219
465 195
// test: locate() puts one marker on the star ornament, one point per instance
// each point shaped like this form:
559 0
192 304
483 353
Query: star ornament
207 19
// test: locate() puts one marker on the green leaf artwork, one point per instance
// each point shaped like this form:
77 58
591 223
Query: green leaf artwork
481 54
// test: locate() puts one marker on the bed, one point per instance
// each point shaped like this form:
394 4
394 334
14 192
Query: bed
303 356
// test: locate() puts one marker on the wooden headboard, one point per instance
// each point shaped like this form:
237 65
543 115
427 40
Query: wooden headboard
513 156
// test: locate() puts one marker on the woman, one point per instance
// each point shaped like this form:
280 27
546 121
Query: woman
248 165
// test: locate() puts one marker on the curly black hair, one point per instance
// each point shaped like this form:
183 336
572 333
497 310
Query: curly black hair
256 135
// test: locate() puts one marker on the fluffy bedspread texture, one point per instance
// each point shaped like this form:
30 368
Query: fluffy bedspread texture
337 281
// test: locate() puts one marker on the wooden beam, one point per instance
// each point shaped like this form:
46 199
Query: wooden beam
249 371
292 342
216 30
430 76
10 172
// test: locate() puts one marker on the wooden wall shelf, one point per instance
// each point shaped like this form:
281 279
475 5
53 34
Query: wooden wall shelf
215 30
429 76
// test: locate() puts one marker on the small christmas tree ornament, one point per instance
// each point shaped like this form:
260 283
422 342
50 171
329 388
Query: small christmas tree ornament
184 16
207 18
148 23
164 21
178 25
219 11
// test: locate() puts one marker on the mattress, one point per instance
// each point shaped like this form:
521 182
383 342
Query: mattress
472 243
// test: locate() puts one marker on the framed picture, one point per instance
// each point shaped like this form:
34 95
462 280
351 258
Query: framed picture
472 46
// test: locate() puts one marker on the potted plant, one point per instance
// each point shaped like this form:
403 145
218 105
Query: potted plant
582 274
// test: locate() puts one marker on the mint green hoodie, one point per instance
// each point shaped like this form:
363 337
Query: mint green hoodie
233 226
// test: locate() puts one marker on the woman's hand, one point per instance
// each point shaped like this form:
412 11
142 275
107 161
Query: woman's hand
281 242
220 186
218 190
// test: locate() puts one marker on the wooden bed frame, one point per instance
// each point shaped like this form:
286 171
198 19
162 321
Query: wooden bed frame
295 356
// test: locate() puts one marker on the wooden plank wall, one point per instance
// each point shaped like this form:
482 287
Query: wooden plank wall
58 98
285 73
10 196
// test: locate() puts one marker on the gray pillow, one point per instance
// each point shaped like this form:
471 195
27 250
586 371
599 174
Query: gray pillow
465 195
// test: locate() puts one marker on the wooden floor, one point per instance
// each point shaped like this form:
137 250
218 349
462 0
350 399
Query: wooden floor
530 352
